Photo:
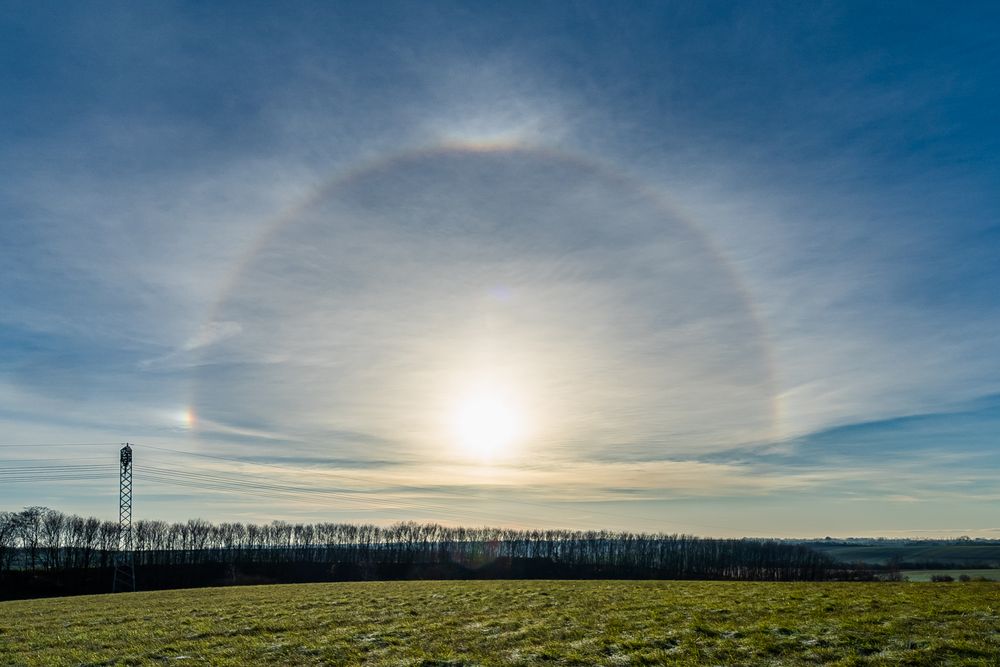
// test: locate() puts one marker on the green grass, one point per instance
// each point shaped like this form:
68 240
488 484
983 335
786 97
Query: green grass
519 623
925 575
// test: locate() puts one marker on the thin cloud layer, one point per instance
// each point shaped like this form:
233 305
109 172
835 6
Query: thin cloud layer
383 303
724 266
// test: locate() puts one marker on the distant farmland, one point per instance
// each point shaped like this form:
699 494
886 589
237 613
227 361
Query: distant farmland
926 575
952 554
515 622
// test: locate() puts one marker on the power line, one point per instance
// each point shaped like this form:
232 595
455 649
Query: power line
540 504
82 466
227 484
308 492
49 459
241 484
446 509
60 444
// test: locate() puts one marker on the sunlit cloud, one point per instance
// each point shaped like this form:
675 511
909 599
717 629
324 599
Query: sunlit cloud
493 105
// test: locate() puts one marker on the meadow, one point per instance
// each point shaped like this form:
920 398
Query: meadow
516 623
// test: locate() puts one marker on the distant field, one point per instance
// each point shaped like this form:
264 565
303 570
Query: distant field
925 575
515 622
957 554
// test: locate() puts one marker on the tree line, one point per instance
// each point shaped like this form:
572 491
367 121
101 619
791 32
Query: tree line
42 540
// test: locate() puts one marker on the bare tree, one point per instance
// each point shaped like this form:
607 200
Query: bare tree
29 530
53 525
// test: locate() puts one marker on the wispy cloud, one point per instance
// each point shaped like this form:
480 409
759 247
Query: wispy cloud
189 351
745 256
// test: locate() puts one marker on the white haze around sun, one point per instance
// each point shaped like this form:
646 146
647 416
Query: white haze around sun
485 306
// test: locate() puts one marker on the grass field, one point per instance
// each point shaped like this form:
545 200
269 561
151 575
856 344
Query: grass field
515 622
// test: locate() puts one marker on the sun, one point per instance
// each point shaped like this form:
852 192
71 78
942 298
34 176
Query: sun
487 423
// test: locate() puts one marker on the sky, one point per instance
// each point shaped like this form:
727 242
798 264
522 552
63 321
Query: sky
670 266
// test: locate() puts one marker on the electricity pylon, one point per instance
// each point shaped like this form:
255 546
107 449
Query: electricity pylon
124 577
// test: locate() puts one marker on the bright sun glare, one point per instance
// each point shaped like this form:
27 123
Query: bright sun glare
487 424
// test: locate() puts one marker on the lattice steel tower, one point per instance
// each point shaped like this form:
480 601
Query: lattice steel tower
124 579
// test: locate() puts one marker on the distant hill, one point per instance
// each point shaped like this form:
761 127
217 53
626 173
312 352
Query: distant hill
936 554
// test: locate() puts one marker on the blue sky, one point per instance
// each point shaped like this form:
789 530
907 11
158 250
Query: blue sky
672 266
